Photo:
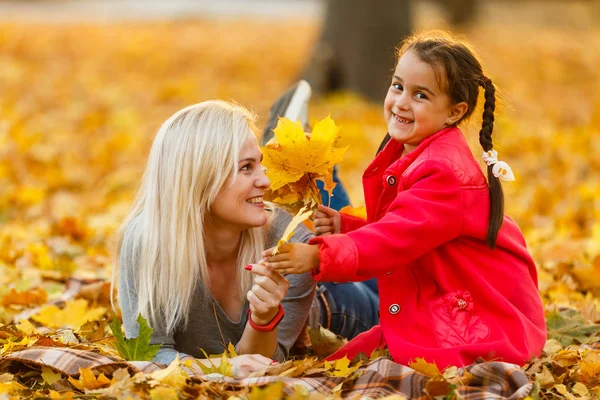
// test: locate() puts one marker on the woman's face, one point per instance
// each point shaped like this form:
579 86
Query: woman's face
240 206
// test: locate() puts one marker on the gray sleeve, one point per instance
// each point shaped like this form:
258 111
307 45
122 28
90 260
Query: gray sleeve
128 300
300 295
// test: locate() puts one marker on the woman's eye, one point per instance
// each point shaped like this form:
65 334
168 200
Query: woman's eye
245 168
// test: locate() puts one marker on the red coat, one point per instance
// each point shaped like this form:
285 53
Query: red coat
444 294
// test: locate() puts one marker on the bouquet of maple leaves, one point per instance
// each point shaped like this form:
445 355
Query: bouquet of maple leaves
295 160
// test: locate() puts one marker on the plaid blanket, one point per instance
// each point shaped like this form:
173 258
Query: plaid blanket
378 378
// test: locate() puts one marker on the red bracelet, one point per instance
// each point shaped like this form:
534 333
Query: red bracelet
271 325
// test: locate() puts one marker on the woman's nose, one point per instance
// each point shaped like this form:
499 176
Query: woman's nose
263 181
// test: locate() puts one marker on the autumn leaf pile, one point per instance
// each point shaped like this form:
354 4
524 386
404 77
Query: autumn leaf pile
79 105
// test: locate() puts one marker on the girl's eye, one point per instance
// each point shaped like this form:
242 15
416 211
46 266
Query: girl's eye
245 168
397 86
421 96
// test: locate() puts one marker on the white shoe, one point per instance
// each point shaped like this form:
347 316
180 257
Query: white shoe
293 104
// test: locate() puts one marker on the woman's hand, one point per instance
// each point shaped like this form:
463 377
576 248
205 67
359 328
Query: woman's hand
293 258
245 364
327 221
266 294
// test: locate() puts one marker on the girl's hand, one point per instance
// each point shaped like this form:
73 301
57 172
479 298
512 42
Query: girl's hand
292 258
327 221
266 294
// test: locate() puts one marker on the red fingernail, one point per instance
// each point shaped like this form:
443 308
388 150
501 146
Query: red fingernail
248 267
274 362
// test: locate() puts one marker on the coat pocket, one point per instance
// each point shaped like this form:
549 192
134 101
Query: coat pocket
453 321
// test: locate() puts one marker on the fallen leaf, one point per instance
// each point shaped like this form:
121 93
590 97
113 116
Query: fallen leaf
49 376
32 297
568 326
173 376
88 381
341 367
324 342
18 345
163 393
93 330
426 368
273 391
135 349
73 315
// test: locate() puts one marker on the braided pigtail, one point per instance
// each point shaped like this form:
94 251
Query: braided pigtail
485 139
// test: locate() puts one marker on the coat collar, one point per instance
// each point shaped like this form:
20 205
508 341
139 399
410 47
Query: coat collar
389 157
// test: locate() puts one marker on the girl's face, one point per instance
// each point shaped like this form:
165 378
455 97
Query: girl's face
240 206
415 106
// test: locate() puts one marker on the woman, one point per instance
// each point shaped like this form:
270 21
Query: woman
188 246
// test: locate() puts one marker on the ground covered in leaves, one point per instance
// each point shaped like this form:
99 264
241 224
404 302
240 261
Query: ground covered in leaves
80 104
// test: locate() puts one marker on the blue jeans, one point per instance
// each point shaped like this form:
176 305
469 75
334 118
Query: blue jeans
340 196
354 306
351 308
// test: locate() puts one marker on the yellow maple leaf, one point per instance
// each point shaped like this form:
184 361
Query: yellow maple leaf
75 314
13 346
428 369
49 376
273 391
26 327
174 375
295 154
35 296
87 380
589 367
163 393
341 367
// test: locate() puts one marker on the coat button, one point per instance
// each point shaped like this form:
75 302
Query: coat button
391 180
394 309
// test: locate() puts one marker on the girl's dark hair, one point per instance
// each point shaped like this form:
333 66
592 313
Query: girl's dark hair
459 74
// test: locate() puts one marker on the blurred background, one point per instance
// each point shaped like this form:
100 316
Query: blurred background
84 85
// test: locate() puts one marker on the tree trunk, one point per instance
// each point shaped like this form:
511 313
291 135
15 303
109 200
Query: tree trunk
356 49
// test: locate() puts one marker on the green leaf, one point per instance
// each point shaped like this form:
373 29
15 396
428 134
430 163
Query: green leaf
135 349
568 327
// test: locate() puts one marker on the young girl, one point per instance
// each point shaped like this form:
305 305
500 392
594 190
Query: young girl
456 281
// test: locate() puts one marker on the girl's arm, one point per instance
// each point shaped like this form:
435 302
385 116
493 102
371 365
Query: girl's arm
351 223
426 215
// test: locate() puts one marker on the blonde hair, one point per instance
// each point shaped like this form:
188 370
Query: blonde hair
194 155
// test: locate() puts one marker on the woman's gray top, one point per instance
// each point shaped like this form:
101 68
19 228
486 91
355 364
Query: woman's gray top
202 330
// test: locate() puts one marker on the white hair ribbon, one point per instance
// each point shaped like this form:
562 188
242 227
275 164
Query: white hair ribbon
501 170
